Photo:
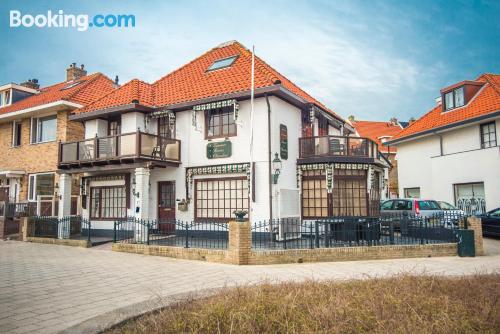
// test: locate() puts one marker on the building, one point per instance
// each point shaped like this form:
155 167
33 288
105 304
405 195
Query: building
183 148
381 132
452 152
32 122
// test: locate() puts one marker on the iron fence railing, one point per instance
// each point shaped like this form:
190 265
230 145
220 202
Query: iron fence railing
394 229
70 227
175 233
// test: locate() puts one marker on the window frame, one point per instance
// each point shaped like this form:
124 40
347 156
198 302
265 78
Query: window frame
315 176
210 68
101 188
453 93
221 219
35 129
17 134
32 185
118 128
221 111
490 134
405 192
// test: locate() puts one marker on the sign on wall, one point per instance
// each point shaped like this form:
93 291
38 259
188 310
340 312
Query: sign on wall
283 142
219 150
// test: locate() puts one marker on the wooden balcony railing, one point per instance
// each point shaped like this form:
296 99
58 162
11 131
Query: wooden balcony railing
337 146
134 145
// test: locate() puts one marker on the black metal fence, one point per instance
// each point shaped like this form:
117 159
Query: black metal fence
209 234
70 227
402 229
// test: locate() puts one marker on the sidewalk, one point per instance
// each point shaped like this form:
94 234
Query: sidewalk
48 288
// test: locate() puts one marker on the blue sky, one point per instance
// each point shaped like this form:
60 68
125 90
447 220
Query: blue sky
372 59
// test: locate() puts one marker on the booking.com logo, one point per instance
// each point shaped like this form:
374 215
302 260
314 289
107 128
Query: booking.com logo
82 22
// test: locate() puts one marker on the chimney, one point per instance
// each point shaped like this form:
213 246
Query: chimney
438 100
394 121
116 84
74 73
31 83
351 118
411 120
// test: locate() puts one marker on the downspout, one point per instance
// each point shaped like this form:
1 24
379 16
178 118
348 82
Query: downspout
269 166
440 143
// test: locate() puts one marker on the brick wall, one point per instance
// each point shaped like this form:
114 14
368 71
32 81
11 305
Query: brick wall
35 158
474 223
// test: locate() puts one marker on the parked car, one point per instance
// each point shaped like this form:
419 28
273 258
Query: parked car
413 207
491 223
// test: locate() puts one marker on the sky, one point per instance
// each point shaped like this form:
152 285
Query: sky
371 59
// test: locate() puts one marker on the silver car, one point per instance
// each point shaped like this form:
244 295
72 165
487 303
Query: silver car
412 206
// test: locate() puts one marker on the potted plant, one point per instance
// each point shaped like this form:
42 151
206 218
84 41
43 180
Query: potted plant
240 215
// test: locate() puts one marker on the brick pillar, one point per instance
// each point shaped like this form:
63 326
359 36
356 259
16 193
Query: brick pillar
474 223
240 242
26 228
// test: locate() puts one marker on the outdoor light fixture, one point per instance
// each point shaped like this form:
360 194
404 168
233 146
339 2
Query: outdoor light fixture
276 168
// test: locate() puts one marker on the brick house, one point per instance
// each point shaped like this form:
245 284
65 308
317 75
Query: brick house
452 153
32 122
381 132
182 148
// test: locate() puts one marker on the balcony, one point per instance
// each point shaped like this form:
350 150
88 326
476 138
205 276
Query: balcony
337 149
120 149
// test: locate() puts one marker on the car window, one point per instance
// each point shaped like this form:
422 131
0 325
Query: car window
495 213
428 205
447 206
386 205
402 205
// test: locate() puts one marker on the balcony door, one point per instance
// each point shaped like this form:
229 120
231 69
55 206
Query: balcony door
164 128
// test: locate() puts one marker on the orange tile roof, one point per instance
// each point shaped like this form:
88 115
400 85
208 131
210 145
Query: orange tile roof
375 130
486 101
192 81
90 88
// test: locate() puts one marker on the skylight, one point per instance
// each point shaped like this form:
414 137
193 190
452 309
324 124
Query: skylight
222 63
71 85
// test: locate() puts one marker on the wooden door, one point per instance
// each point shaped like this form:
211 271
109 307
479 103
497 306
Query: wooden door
166 206
4 194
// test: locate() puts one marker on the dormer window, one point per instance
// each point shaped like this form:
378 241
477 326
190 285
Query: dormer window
222 63
454 99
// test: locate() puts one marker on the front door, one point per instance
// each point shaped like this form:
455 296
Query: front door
4 194
166 206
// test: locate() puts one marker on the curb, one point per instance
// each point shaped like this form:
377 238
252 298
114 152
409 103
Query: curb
105 321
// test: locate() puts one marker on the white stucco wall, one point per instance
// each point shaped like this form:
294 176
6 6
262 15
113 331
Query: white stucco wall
421 165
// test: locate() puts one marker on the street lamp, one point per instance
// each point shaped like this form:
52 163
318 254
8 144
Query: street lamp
276 168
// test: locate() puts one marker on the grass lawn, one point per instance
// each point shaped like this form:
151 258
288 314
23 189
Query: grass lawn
405 304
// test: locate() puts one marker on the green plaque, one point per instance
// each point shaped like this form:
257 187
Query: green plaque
283 142
219 150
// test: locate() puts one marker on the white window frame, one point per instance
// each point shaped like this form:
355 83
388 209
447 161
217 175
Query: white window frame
34 138
14 127
32 179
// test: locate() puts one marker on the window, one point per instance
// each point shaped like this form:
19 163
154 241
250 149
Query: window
108 202
219 198
428 205
222 63
402 205
454 98
40 185
16 133
322 127
412 192
114 127
350 196
220 122
6 97
314 194
43 129
488 135
164 128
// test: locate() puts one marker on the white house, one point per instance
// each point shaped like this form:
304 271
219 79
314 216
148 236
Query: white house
183 148
452 152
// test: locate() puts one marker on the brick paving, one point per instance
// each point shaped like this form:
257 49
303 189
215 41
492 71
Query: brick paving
49 288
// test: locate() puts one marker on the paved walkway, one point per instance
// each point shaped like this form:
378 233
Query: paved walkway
48 288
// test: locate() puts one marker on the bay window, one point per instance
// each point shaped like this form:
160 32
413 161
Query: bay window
108 202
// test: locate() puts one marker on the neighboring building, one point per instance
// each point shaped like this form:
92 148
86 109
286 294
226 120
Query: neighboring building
181 148
32 122
452 152
381 132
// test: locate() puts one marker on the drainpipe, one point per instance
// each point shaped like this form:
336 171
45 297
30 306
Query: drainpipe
269 166
440 143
